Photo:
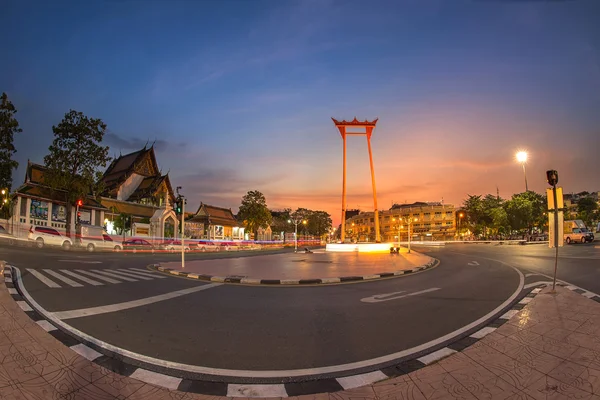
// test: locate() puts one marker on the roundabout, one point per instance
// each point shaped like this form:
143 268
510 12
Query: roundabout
195 331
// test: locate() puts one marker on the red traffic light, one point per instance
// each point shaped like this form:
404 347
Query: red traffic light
79 203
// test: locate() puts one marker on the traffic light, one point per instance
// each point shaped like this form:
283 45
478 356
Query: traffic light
178 205
552 177
79 203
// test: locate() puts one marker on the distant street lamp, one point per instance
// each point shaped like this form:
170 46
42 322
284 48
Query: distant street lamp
460 217
296 222
522 158
409 221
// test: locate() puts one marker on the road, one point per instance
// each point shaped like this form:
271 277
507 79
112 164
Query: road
249 328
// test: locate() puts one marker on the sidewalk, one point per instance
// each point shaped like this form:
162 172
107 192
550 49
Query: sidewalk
302 266
548 350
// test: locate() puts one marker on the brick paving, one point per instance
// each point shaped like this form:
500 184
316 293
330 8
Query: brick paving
548 350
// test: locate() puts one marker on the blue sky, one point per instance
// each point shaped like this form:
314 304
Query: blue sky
238 94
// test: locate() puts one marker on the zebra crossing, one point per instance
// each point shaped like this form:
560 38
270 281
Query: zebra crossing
94 277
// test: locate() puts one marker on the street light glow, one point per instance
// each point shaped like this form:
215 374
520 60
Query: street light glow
522 156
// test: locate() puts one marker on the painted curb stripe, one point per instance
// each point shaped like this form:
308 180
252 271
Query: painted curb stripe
352 382
236 390
154 378
436 355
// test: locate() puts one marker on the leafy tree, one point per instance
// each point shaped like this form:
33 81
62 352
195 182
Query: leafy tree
319 223
587 210
122 223
280 221
8 127
254 212
74 158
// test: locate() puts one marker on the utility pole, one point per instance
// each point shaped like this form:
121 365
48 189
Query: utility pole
181 202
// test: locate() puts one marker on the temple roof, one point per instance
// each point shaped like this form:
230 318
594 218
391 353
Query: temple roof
123 166
126 207
149 186
214 216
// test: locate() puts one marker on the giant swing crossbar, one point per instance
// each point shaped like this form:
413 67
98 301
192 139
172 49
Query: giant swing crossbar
368 131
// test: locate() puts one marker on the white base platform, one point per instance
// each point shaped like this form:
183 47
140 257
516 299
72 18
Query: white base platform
359 247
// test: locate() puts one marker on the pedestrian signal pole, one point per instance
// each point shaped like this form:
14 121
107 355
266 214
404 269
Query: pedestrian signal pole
555 218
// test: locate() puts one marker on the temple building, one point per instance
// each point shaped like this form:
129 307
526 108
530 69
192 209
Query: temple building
213 223
134 187
36 204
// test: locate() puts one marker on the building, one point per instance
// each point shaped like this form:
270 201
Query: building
429 221
135 188
36 204
214 223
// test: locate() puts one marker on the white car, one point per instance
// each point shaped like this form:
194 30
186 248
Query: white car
173 245
42 236
104 242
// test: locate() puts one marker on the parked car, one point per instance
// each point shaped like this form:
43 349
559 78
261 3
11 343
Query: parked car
173 245
6 237
42 236
135 245
229 246
94 237
204 245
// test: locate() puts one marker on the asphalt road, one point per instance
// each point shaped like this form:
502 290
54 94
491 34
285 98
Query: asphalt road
266 328
578 264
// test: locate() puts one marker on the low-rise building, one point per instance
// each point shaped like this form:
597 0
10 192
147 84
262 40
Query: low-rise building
428 221
214 223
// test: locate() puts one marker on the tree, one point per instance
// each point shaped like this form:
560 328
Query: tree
75 157
8 127
254 212
280 221
587 210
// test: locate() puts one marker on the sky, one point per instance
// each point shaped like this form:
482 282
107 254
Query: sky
239 95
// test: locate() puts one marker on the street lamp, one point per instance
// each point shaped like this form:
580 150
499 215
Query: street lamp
460 217
296 222
409 222
522 158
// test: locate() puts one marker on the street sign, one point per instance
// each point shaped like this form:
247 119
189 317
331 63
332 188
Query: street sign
552 215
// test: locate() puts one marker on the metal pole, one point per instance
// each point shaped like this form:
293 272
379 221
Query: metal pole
377 233
525 174
343 233
295 236
409 223
182 232
555 236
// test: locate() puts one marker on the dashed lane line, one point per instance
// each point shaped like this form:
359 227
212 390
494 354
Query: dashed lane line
81 277
98 276
48 282
66 280
113 275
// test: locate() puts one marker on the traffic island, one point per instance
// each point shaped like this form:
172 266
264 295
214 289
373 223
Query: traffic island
303 268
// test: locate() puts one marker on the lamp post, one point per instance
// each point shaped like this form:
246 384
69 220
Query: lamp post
522 158
409 222
460 217
296 221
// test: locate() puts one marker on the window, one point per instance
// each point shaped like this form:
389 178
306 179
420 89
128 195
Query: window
438 224
372 219
23 207
438 213
449 223
427 225
107 238
426 214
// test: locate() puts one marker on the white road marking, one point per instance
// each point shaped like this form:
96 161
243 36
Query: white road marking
130 275
45 325
394 296
24 306
66 280
263 373
154 378
85 312
81 262
12 291
143 273
101 277
85 351
351 382
571 285
509 314
124 278
483 332
81 277
436 355
43 279
235 390
473 263
530 285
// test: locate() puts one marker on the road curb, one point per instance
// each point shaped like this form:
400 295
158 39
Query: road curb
227 386
292 282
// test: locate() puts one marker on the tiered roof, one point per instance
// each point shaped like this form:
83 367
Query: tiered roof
214 216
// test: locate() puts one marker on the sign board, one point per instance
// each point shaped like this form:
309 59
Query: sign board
553 215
